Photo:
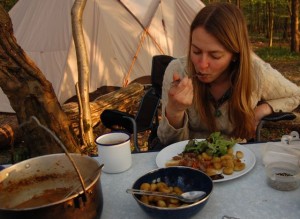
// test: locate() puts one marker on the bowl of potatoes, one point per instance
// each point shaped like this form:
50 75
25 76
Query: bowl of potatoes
172 180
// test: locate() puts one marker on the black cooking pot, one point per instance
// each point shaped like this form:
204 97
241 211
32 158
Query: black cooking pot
49 187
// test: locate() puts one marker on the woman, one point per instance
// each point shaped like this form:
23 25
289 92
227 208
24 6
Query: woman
221 85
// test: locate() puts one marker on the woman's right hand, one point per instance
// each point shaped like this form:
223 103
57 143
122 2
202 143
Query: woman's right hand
180 97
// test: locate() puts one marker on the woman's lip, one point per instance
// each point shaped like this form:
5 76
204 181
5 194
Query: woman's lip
199 74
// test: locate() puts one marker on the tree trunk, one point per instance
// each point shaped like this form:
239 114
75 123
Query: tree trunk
86 129
285 34
270 5
31 94
295 26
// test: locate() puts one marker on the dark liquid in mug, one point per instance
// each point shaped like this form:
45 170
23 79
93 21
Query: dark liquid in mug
113 142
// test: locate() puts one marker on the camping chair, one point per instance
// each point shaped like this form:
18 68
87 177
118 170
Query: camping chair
159 65
147 115
116 120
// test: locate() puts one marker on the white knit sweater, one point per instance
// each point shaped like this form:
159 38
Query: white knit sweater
272 87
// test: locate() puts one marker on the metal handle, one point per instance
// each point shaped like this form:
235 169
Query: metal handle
145 192
62 146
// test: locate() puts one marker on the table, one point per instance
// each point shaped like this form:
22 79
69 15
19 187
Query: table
246 197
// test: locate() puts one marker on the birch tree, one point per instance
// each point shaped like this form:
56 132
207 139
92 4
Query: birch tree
82 87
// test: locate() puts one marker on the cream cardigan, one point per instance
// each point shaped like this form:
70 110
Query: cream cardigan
272 87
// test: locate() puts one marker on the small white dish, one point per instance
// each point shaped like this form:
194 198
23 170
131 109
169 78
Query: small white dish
284 176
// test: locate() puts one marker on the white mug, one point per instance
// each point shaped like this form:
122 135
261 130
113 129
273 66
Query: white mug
114 151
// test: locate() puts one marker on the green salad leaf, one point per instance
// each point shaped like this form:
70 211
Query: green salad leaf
214 145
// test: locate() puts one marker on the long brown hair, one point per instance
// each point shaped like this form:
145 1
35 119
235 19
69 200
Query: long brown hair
227 24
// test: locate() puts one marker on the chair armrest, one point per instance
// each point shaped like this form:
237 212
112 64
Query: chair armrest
111 118
274 117
278 116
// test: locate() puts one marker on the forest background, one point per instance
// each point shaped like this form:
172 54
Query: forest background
274 34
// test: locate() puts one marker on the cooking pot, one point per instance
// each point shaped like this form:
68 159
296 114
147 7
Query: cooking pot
50 187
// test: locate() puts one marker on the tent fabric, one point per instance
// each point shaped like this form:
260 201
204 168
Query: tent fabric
117 44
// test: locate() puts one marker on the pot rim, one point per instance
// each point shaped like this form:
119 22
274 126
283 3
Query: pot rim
4 174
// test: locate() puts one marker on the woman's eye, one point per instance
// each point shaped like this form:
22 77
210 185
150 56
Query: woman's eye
196 52
216 56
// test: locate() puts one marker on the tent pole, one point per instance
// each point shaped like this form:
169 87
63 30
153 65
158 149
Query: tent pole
145 31
125 82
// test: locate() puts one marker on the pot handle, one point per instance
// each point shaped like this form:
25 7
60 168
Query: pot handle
62 146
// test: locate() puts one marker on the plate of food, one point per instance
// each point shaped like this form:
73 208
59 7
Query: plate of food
235 163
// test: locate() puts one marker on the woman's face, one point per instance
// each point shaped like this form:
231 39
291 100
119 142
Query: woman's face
209 56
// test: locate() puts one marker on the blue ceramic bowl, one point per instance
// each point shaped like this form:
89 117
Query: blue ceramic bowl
187 179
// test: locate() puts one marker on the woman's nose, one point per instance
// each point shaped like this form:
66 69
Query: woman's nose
202 62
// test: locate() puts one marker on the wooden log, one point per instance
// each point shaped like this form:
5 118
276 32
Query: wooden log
124 99
8 130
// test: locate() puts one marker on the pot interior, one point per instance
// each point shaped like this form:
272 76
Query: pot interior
45 180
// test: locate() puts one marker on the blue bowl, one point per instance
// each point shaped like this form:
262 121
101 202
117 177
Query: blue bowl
187 179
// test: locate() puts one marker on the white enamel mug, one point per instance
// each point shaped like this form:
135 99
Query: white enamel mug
114 151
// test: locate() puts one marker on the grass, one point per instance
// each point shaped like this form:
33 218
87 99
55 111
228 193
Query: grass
277 53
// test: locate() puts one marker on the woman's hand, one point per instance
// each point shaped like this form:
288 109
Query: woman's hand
180 98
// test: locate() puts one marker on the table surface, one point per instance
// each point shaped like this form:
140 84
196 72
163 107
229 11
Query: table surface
248 196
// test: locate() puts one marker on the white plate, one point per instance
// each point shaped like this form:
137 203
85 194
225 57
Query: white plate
172 150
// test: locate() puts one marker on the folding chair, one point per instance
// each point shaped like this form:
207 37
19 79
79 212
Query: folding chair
147 115
159 65
144 119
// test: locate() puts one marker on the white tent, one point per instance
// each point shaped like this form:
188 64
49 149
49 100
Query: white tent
121 38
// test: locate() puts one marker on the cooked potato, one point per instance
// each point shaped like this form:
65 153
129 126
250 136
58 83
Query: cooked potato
239 154
171 205
162 187
239 166
217 165
145 199
230 151
227 157
153 186
229 163
145 186
228 170
161 203
216 160
158 200
205 156
177 190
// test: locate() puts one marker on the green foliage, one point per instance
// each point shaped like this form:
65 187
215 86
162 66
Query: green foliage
214 145
276 53
8 4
